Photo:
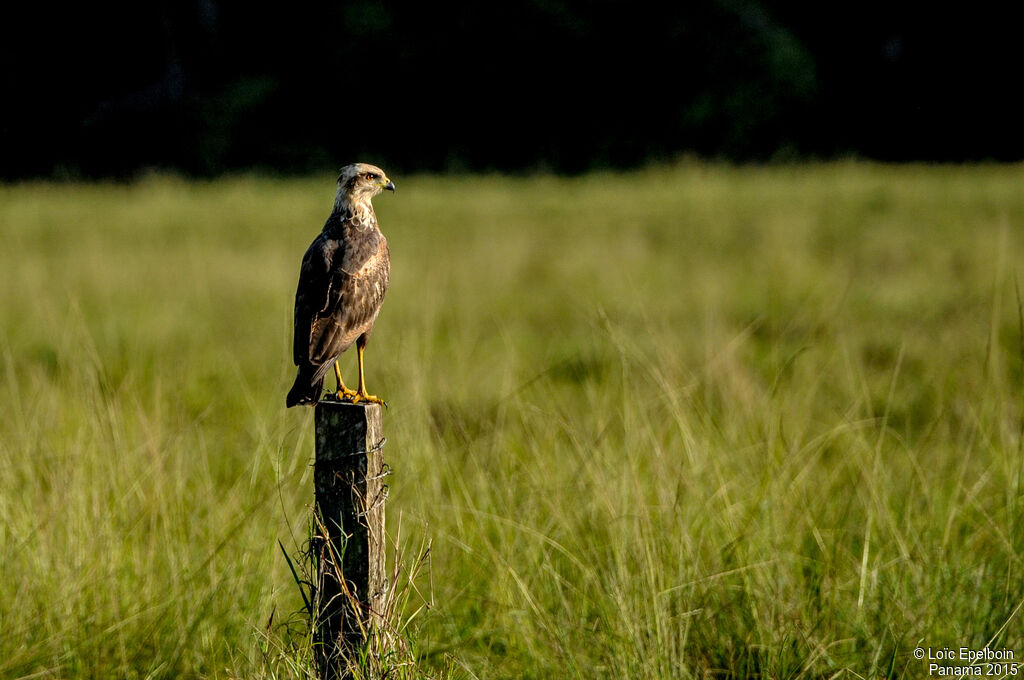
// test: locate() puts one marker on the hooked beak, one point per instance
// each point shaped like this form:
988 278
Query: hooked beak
390 186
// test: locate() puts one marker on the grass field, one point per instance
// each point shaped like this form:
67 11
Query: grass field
688 422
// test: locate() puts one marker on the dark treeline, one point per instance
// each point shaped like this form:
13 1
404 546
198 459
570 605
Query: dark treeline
208 86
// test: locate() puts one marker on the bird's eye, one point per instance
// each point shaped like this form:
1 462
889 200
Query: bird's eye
371 175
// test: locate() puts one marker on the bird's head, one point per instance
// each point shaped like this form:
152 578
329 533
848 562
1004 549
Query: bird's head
360 182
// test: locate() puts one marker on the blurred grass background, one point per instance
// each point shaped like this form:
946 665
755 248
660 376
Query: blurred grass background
692 421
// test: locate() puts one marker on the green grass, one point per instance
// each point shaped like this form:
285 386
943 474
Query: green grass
689 422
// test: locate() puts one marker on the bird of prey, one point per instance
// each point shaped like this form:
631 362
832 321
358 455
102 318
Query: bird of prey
344 276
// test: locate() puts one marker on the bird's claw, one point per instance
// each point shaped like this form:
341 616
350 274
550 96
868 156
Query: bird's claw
368 398
346 395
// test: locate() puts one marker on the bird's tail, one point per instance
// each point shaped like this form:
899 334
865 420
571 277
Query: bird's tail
309 384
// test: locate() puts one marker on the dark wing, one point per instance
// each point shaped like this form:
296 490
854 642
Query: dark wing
341 286
312 296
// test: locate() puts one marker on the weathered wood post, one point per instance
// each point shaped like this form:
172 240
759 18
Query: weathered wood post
348 538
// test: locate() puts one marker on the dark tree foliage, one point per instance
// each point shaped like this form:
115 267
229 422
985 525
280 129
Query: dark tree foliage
207 86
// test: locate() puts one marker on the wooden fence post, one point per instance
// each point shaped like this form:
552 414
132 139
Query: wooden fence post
348 539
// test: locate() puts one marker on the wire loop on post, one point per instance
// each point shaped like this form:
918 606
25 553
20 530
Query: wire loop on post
339 456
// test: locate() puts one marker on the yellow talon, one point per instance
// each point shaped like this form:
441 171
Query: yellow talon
347 395
343 393
369 398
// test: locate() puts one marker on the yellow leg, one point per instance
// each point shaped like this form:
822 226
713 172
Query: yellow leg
343 393
361 394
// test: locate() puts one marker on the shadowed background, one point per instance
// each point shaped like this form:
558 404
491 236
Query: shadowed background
207 86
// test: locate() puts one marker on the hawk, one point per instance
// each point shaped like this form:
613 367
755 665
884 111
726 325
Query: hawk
344 276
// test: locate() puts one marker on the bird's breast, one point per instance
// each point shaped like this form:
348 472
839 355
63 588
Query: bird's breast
372 278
